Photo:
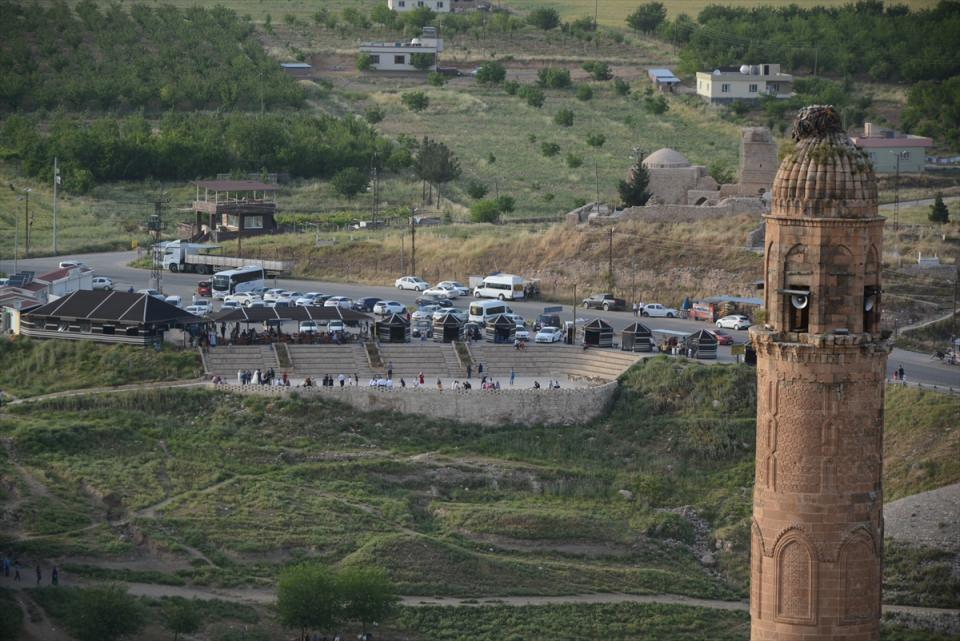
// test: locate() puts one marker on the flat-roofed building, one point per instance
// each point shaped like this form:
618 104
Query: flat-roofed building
402 56
747 83
886 147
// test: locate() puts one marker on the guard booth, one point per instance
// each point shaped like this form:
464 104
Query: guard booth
447 329
701 344
598 333
501 329
393 329
636 337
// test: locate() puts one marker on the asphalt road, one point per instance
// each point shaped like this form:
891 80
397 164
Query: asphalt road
919 368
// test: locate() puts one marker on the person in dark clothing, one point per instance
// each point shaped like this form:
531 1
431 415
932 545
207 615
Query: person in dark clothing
39 573
479 368
16 571
55 576
469 370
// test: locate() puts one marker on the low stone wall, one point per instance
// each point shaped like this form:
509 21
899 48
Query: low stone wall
485 407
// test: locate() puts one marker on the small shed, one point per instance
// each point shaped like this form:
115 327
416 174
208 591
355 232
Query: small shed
393 329
636 337
598 333
701 344
663 79
501 329
447 329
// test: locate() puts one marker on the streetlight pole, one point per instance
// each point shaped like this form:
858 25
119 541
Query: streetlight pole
413 243
56 184
26 221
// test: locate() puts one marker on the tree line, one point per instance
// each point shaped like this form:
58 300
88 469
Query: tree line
884 42
187 146
105 58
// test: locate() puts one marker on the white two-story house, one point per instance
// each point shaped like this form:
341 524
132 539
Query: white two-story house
747 83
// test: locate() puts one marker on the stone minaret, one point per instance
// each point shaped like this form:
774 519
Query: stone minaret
817 538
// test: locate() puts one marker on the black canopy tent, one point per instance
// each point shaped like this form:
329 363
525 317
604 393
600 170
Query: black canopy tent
393 329
447 328
500 329
636 337
106 316
598 333
294 313
701 344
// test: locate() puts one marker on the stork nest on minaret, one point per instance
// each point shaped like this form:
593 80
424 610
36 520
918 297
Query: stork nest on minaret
817 121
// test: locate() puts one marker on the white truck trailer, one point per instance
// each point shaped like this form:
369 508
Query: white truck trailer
181 256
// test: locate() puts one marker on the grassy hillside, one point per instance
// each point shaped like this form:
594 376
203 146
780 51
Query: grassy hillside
32 367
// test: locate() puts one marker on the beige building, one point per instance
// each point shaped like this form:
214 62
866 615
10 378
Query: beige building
437 6
890 151
672 176
746 83
399 56
817 533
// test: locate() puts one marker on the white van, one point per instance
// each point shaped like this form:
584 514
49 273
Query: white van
482 311
502 286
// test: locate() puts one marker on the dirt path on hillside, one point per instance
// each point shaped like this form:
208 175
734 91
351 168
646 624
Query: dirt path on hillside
36 625
108 390
929 518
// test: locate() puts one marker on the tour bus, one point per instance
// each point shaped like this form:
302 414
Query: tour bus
502 286
483 310
236 281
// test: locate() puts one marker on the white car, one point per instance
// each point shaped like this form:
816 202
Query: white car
102 282
309 327
152 292
385 307
204 303
522 333
425 313
460 314
308 300
197 310
253 301
415 283
173 300
255 304
271 294
336 326
339 301
658 310
241 298
442 290
549 335
734 321
71 263
281 301
460 288
230 304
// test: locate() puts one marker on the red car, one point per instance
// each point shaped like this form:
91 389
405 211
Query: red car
203 288
722 337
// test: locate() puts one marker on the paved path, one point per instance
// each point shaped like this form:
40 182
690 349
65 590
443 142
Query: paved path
930 518
914 203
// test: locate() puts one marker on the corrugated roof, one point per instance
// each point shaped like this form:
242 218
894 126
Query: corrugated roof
910 141
121 307
295 65
733 299
295 313
234 185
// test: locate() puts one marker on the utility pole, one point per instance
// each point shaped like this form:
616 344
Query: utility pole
413 243
596 168
610 254
155 225
573 306
896 208
26 222
56 184
401 251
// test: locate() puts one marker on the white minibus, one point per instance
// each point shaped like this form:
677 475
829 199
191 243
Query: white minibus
502 286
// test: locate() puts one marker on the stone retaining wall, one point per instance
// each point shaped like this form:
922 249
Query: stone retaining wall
525 407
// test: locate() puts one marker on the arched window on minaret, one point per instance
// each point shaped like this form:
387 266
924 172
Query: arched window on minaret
797 272
871 292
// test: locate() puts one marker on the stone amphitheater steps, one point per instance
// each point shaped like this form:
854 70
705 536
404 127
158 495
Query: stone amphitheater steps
227 359
433 359
317 361
552 360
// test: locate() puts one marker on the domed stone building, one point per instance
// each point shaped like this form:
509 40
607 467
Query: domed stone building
672 176
817 535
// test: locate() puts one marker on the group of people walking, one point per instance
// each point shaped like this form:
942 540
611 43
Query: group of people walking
12 568
259 377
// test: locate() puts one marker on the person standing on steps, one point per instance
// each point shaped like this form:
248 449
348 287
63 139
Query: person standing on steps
390 369
513 376
39 573
900 374
16 571
55 576
469 370
479 368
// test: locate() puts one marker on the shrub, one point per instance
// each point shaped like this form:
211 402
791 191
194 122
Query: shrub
505 204
491 73
647 17
436 79
596 139
415 100
511 87
655 104
552 78
939 213
477 190
621 87
584 92
598 70
373 115
573 160
350 181
423 61
545 18
564 118
484 211
532 94
721 172
549 149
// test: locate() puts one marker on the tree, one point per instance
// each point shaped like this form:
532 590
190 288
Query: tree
938 211
505 204
366 594
553 78
415 100
364 62
598 70
436 79
422 61
596 139
584 92
647 17
721 172
435 164
477 190
103 614
484 211
564 118
350 181
491 73
419 18
382 14
182 617
308 598
532 94
545 18
621 87
633 192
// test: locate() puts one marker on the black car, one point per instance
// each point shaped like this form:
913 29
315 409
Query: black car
445 303
547 320
366 304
